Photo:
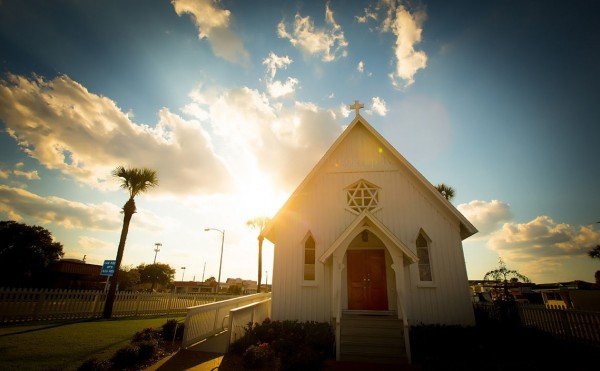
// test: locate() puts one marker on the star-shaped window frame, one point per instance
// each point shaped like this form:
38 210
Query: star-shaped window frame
362 195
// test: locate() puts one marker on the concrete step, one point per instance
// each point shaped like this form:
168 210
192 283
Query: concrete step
390 349
372 331
372 340
374 358
376 322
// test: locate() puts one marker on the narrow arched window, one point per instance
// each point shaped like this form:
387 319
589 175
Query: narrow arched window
424 262
309 259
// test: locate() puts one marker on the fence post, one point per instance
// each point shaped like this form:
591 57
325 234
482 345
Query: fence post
39 304
137 304
93 306
566 325
169 305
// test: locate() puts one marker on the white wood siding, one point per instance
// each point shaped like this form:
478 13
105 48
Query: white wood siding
406 207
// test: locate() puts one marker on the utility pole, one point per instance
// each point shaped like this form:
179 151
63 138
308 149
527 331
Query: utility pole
203 270
267 280
156 250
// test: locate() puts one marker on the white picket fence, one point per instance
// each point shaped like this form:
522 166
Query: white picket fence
577 325
21 305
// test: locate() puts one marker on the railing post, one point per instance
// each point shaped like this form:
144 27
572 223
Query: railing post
169 305
137 304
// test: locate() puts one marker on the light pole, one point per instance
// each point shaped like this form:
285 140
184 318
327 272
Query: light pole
267 281
221 260
182 273
156 250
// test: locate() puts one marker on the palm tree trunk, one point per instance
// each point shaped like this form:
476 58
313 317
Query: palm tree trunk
260 243
128 211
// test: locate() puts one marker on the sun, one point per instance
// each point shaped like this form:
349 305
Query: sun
258 196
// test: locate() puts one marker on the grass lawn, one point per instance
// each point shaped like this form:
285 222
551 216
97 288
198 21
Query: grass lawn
66 345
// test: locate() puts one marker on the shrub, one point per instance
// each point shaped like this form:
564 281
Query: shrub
95 364
144 335
147 349
126 357
257 356
168 330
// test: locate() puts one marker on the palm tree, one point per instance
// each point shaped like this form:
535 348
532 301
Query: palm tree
505 275
259 223
135 181
595 252
446 191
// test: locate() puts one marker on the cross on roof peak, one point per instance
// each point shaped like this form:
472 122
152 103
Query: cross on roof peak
356 107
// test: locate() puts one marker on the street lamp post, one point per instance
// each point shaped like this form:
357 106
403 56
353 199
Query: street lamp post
156 250
221 260
182 273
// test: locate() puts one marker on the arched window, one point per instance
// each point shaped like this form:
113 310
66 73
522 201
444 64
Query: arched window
309 259
423 254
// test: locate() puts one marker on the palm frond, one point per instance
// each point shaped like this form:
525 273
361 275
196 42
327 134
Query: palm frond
136 180
446 191
260 222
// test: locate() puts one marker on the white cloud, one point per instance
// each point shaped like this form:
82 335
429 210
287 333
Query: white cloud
19 204
328 42
19 165
280 142
378 106
278 89
344 110
361 67
213 25
541 245
331 96
4 174
30 175
368 14
407 27
84 135
275 62
486 216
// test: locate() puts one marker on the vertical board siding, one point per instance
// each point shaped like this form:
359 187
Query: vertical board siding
406 207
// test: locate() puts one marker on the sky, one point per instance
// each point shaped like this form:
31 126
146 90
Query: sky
234 102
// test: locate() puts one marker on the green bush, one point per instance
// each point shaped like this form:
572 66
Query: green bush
145 335
297 345
126 357
169 328
148 349
95 364
257 356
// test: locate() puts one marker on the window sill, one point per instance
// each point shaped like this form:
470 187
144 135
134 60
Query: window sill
426 284
309 284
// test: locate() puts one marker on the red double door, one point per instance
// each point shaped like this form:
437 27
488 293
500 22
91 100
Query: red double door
367 285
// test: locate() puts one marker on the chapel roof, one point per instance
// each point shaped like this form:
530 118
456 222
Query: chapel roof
466 228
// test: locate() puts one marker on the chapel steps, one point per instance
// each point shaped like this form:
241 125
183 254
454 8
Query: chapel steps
372 338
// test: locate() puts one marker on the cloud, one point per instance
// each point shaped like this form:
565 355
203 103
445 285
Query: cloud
280 89
344 110
84 135
30 175
378 106
407 27
541 245
213 25
328 42
275 62
19 204
280 142
4 174
368 14
361 67
486 216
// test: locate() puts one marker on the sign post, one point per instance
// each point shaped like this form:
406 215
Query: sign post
108 269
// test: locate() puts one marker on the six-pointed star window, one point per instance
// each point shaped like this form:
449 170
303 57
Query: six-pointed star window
362 195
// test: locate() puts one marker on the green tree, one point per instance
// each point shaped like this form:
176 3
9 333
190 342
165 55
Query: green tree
128 278
135 181
446 191
259 223
595 254
155 273
505 276
25 253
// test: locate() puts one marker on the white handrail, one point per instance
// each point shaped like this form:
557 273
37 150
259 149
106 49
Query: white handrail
202 321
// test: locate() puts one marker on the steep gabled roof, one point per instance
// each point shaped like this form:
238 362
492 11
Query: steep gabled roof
466 228
366 221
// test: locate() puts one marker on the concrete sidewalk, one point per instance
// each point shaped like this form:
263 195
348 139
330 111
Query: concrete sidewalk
202 361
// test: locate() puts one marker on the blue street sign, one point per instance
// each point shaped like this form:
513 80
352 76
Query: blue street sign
108 268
